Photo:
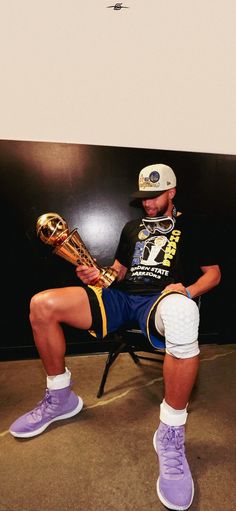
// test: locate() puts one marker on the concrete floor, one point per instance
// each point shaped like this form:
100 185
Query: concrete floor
103 459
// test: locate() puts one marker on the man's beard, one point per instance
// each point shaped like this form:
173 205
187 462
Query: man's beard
162 211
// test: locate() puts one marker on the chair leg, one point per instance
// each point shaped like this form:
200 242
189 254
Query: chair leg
133 354
113 354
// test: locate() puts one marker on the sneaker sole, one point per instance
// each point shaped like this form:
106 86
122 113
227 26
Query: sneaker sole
36 432
165 502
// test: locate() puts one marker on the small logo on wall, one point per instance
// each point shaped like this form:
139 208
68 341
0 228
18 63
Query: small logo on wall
117 7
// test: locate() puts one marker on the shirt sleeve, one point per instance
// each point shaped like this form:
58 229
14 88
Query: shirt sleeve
207 246
200 247
123 249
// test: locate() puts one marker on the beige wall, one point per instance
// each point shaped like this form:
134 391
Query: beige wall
160 74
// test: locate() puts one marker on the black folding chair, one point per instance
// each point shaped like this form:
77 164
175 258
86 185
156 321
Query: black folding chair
128 341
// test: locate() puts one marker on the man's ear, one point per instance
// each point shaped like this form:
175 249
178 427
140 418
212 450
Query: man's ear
172 193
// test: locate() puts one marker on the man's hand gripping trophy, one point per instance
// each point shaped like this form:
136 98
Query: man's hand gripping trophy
52 229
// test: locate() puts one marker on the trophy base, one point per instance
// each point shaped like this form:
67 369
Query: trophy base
106 278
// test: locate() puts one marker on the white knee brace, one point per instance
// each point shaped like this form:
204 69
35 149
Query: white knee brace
177 318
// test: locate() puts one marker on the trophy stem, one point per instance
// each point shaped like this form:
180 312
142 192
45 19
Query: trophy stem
74 251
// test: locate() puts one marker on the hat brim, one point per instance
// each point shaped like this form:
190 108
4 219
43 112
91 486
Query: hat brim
146 195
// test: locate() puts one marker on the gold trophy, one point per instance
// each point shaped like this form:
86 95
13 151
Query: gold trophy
52 229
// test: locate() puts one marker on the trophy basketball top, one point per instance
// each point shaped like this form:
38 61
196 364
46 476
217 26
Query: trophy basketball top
52 229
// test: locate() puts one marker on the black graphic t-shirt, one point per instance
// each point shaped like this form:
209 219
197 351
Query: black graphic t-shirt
155 259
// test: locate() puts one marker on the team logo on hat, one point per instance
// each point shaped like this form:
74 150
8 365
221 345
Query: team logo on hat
154 176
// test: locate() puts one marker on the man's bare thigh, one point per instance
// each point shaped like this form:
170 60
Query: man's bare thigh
70 305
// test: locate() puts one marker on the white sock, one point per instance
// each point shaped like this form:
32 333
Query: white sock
60 381
171 416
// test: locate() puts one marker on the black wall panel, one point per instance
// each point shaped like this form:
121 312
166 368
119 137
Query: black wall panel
90 187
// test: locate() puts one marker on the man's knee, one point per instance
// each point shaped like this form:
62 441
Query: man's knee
177 318
42 306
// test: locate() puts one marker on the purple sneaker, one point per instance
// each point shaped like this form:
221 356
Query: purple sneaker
56 405
175 487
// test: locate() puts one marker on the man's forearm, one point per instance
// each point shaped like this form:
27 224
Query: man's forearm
210 278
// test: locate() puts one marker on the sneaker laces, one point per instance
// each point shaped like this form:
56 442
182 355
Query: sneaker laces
173 451
42 408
